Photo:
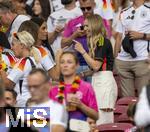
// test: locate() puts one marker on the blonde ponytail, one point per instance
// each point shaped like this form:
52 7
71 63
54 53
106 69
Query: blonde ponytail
34 53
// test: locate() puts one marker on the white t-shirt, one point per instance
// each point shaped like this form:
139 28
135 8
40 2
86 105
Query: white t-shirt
140 23
61 17
58 113
54 4
116 18
46 60
20 72
57 5
16 24
106 13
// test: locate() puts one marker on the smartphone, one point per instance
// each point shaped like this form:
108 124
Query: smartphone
74 42
79 125
81 27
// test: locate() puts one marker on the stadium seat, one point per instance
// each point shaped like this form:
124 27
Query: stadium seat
119 110
114 127
123 118
127 100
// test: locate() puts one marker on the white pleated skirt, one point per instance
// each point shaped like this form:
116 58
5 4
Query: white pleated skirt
105 88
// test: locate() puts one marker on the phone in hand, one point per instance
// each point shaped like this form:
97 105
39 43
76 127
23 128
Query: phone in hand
81 27
74 42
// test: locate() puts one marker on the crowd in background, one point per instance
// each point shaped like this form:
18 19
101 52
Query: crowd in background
66 54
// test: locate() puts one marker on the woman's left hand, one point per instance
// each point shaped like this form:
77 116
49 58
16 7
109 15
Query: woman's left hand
74 100
78 47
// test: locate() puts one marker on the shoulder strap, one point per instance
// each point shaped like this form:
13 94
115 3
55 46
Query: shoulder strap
32 63
9 29
147 6
148 93
20 85
148 45
125 9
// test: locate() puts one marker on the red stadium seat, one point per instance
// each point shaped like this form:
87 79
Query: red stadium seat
119 110
123 118
114 127
127 100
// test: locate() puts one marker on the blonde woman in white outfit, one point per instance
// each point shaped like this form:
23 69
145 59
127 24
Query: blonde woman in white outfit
23 49
100 60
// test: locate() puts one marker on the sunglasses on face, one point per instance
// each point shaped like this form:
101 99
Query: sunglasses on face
85 8
20 1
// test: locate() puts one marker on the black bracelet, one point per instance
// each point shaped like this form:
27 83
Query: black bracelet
144 36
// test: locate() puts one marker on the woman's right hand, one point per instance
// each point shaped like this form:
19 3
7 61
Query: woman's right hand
78 47
79 33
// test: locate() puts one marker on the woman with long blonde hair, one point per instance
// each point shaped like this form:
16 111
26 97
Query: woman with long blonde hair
96 33
100 60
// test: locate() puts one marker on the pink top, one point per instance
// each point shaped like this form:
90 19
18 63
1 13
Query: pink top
77 22
70 28
86 95
73 25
